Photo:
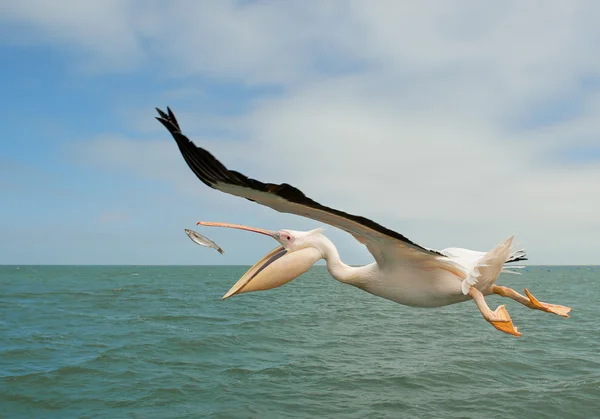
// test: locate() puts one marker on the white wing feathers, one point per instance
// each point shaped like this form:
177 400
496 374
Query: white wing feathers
484 268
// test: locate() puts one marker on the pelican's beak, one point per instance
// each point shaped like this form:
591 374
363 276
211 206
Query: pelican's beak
278 267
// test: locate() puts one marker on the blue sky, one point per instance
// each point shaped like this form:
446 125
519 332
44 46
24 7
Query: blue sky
457 124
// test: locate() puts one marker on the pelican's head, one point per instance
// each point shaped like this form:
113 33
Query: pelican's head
293 241
297 252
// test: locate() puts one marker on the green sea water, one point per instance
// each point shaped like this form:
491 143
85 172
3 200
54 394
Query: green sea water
158 342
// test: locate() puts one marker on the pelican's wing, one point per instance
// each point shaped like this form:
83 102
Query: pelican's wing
384 244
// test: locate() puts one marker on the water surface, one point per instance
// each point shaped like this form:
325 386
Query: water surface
158 342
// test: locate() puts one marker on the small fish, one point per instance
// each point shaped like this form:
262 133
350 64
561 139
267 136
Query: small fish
203 241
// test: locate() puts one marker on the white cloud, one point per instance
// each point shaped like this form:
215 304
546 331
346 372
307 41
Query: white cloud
105 33
405 112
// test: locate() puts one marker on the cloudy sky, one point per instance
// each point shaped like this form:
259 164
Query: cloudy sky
456 123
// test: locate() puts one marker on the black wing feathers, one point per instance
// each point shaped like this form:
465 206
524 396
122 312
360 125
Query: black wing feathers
517 259
211 172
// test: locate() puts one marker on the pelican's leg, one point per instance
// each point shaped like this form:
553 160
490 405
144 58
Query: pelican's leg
530 301
499 318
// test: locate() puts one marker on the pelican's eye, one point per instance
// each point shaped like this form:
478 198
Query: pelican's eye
286 236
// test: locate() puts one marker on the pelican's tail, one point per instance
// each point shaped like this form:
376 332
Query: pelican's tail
488 268
514 256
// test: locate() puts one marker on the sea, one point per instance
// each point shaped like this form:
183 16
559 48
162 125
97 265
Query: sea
159 342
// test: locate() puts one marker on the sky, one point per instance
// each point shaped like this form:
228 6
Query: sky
455 123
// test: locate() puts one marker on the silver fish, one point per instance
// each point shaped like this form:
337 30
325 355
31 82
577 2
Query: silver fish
203 241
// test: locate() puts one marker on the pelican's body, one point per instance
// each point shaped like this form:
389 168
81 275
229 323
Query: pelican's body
411 288
403 271
405 284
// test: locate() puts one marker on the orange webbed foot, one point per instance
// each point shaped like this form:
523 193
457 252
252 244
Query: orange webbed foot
549 308
502 321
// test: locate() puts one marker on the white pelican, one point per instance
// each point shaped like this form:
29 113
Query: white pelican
403 271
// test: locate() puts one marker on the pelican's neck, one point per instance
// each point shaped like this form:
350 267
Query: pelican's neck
338 269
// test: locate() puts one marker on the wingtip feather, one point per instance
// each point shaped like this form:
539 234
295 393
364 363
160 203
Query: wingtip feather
161 113
172 117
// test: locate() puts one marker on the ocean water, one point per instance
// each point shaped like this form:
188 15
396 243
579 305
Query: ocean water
158 342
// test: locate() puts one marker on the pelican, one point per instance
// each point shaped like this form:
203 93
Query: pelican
402 271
